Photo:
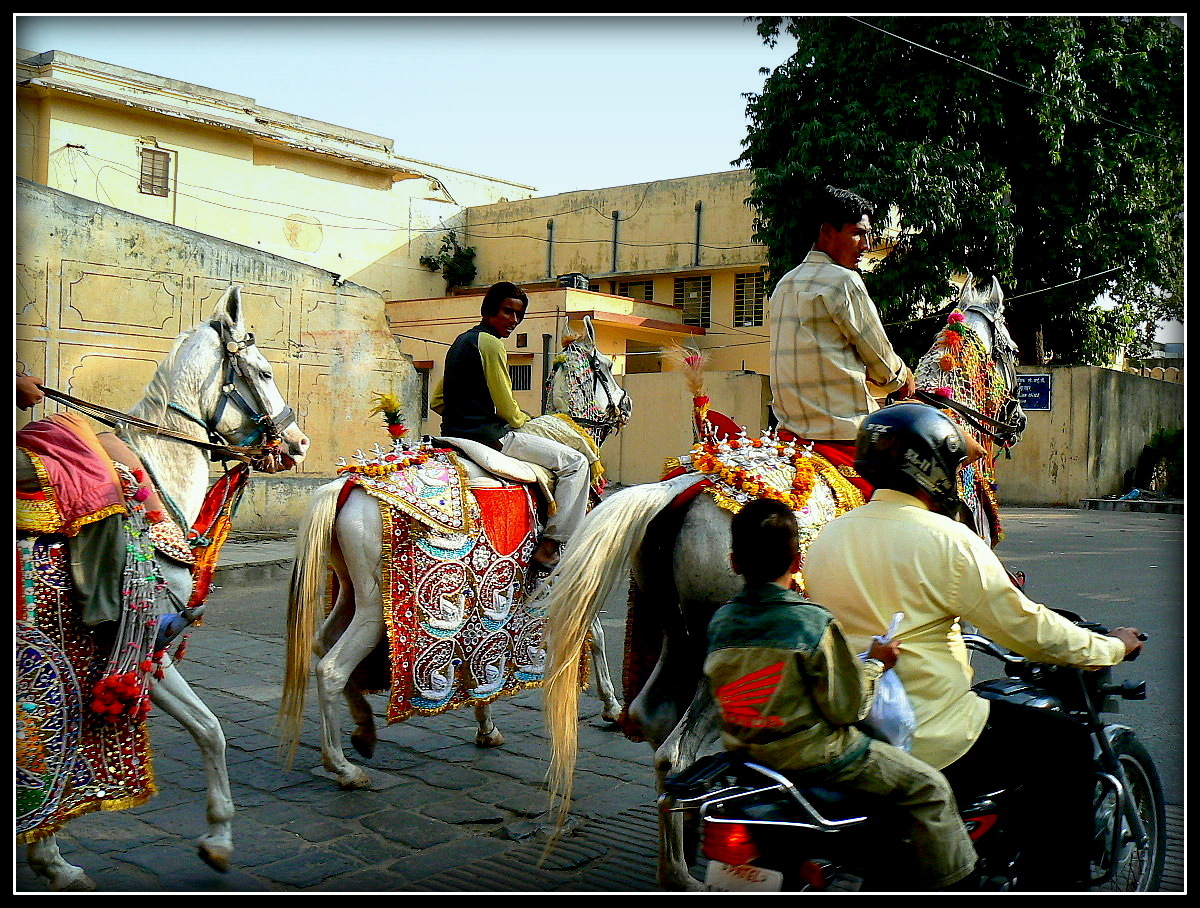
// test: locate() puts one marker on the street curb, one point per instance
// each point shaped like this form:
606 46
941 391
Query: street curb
1139 505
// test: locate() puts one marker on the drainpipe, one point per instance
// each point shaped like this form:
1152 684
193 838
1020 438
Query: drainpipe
550 248
546 338
696 257
616 218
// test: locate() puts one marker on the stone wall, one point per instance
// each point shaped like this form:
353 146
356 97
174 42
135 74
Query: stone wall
101 295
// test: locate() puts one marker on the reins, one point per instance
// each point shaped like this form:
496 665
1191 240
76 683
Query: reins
115 418
1004 433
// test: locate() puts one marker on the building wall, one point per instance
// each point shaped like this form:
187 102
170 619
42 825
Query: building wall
1098 424
101 295
427 328
321 194
659 232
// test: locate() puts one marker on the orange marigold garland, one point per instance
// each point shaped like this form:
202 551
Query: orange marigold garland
705 458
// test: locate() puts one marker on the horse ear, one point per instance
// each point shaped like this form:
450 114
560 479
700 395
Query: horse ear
591 332
997 293
230 311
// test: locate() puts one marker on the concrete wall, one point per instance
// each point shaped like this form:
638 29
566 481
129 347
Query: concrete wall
661 424
1098 424
101 294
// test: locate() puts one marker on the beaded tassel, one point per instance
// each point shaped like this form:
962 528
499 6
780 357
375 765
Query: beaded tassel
133 665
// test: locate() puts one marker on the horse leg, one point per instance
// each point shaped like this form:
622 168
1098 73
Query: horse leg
487 734
47 861
695 732
604 685
364 737
175 697
333 676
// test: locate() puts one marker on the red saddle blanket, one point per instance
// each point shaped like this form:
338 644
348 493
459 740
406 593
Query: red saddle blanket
77 482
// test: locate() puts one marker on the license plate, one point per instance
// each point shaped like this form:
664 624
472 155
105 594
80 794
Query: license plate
722 877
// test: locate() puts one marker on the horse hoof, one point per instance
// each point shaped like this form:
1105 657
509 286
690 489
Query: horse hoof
78 881
216 856
354 779
490 739
685 884
364 744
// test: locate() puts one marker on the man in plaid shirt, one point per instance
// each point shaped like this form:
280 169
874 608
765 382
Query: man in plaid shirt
831 361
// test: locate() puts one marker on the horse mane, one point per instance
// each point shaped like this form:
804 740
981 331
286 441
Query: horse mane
157 396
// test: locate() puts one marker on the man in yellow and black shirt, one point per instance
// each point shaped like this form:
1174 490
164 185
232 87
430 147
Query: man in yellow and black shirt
475 400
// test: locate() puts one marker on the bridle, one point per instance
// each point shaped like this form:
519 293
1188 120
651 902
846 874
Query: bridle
614 415
269 427
1005 429
268 431
1009 424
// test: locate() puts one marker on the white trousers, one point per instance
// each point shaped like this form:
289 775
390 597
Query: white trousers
572 477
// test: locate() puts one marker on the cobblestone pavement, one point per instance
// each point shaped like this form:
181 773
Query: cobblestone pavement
443 815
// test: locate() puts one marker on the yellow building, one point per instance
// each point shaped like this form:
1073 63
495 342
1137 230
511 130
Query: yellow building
221 164
684 245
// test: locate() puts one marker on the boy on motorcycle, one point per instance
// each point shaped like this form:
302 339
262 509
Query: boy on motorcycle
905 551
790 690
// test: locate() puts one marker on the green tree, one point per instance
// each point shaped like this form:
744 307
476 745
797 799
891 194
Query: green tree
1045 150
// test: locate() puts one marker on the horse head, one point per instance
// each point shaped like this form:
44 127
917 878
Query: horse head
582 385
983 378
217 377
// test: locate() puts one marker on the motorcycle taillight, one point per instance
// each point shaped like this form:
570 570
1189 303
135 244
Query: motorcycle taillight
728 842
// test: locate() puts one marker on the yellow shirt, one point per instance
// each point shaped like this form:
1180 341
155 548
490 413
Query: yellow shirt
894 555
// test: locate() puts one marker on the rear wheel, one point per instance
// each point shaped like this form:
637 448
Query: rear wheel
1119 863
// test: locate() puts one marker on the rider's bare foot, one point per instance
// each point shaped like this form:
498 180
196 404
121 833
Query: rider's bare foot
546 554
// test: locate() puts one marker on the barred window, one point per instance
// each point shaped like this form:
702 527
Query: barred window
694 296
521 376
156 172
749 298
638 290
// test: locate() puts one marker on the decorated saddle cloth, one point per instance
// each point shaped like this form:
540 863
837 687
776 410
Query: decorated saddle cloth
459 630
70 758
73 481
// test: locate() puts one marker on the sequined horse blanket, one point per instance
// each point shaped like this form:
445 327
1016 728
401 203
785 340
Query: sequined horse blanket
69 760
459 632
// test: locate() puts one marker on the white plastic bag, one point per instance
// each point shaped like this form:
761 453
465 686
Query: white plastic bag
891 717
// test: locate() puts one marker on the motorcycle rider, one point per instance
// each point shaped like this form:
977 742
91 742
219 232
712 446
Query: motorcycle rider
906 551
790 691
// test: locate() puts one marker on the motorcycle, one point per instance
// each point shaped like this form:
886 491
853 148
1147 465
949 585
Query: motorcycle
759 831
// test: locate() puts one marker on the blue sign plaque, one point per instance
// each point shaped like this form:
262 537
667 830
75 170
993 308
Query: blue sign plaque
1034 391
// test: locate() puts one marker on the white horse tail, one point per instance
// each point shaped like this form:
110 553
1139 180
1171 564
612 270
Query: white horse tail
598 556
306 599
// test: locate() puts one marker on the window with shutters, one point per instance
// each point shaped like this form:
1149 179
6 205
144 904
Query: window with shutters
694 296
155 176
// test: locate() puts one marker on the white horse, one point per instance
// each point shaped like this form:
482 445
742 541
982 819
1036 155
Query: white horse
679 559
214 388
349 539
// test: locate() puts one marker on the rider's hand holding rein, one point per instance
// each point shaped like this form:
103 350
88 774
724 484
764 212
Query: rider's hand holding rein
29 391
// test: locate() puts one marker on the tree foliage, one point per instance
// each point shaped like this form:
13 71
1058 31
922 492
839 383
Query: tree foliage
1045 150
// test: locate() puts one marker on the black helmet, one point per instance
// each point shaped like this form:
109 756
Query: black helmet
906 445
